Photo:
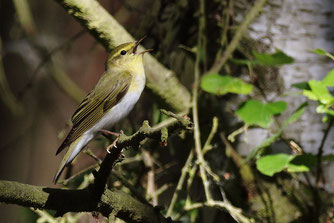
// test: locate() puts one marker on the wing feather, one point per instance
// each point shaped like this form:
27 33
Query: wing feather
96 104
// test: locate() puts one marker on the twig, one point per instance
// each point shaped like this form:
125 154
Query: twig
320 152
6 95
244 168
220 61
24 15
150 190
161 189
227 11
193 170
66 181
133 190
184 172
92 155
132 141
240 130
197 133
236 213
47 58
207 146
64 81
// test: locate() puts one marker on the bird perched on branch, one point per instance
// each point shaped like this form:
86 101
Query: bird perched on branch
111 99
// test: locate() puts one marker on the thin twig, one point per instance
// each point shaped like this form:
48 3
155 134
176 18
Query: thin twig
220 61
6 95
150 189
184 172
236 213
207 146
197 133
227 12
133 190
320 152
47 58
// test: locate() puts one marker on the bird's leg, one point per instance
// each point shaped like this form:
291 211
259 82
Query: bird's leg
111 133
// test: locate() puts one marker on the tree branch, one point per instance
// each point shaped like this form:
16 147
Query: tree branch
118 203
96 197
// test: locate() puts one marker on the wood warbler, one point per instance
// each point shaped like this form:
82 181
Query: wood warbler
113 97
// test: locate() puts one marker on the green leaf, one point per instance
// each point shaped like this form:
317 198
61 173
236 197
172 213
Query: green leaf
302 163
277 107
260 149
328 81
264 59
310 95
243 61
257 113
302 85
271 164
323 53
295 115
277 58
220 85
319 52
321 92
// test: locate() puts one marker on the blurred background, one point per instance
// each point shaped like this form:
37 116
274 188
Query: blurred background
49 62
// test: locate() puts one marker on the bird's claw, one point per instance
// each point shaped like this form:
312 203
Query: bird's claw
113 144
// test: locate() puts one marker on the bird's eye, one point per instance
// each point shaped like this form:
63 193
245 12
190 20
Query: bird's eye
123 52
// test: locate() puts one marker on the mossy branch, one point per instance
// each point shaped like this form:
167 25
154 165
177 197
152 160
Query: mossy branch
110 33
133 141
117 203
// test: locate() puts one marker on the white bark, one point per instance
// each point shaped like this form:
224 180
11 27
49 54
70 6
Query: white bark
295 27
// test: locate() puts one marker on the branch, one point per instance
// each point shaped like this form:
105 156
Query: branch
117 203
110 33
133 141
96 197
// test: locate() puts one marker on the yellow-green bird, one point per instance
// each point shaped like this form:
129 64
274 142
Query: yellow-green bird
111 99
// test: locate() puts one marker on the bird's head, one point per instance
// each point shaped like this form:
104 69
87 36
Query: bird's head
125 56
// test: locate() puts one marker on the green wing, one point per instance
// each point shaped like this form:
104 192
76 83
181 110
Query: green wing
107 93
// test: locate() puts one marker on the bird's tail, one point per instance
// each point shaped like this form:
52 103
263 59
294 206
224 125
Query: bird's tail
73 150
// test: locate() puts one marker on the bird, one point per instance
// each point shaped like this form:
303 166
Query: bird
112 98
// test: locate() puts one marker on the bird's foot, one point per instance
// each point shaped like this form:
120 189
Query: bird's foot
113 144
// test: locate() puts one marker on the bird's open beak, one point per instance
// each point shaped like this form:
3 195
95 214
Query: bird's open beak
137 44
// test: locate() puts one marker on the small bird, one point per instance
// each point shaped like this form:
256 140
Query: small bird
112 98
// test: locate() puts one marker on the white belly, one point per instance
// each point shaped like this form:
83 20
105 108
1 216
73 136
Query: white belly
117 113
122 109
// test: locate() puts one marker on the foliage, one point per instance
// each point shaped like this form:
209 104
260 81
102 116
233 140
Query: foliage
254 112
220 85
271 164
318 91
264 59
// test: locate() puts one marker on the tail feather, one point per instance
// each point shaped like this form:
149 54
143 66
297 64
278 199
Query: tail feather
61 147
73 150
